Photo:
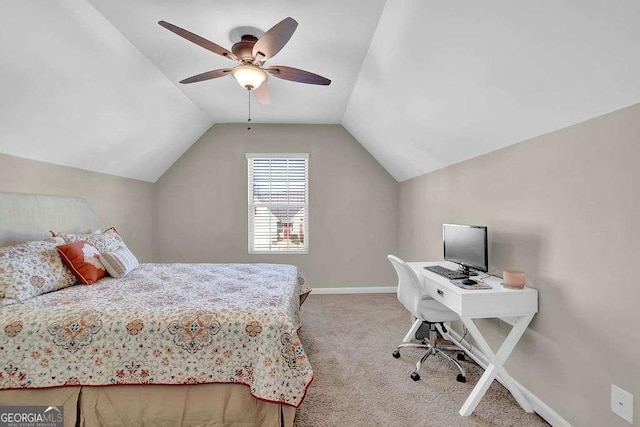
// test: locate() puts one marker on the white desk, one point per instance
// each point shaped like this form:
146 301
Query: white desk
514 306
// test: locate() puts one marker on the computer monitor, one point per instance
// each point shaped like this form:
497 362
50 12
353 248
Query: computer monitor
467 246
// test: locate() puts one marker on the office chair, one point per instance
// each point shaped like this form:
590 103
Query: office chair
424 309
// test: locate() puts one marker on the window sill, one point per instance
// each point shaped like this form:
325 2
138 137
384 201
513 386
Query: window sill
279 252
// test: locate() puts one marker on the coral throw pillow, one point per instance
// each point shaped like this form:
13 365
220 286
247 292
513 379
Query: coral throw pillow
83 260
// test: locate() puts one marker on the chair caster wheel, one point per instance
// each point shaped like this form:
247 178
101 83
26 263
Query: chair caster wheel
396 354
460 356
415 376
461 378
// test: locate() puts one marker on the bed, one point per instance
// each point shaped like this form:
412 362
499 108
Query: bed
169 344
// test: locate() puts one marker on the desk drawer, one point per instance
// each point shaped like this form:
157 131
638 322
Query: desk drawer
443 294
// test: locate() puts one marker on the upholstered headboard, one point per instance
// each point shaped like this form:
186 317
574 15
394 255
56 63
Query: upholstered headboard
31 216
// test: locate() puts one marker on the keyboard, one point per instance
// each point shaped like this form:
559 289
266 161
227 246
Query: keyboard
445 272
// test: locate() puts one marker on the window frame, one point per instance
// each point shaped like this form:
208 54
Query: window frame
251 203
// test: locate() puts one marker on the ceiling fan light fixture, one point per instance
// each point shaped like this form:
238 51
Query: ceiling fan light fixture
249 76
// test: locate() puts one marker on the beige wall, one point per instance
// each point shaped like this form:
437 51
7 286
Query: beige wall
564 208
202 203
124 203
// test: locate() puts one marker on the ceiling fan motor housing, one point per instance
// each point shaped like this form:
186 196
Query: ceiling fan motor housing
244 48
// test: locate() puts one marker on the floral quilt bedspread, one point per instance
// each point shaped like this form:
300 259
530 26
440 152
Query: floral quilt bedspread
164 324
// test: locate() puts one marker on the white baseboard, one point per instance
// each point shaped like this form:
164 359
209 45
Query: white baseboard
357 290
541 408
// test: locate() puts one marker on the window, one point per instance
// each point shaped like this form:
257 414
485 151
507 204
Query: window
278 203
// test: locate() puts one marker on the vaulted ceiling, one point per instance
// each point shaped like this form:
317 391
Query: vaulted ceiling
421 84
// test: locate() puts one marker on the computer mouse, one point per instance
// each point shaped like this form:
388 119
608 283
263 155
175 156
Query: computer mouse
469 282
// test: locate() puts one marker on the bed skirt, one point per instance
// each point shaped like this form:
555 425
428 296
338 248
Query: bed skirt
157 405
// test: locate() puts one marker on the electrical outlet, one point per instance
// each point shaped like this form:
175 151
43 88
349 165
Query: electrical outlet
622 403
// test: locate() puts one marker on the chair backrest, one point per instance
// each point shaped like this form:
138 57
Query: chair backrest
406 276
408 281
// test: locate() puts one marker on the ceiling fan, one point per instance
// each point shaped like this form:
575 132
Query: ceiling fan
250 54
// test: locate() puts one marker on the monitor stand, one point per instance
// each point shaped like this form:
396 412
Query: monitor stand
465 270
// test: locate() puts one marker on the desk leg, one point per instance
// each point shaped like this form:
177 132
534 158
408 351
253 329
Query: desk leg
496 364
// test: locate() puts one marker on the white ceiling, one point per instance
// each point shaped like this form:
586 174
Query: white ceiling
75 92
332 39
421 84
481 75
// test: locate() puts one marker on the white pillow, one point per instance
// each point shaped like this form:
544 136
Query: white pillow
120 262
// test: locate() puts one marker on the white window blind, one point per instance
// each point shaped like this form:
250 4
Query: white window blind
278 203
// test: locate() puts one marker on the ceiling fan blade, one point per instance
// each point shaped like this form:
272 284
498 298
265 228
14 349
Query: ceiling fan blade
274 39
214 74
200 41
296 75
262 94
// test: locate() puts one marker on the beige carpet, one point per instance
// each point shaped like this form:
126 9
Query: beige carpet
349 340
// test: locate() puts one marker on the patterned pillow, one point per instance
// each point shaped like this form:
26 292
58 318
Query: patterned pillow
119 263
30 269
108 241
83 261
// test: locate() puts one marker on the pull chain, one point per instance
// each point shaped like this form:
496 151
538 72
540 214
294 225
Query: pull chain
249 119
